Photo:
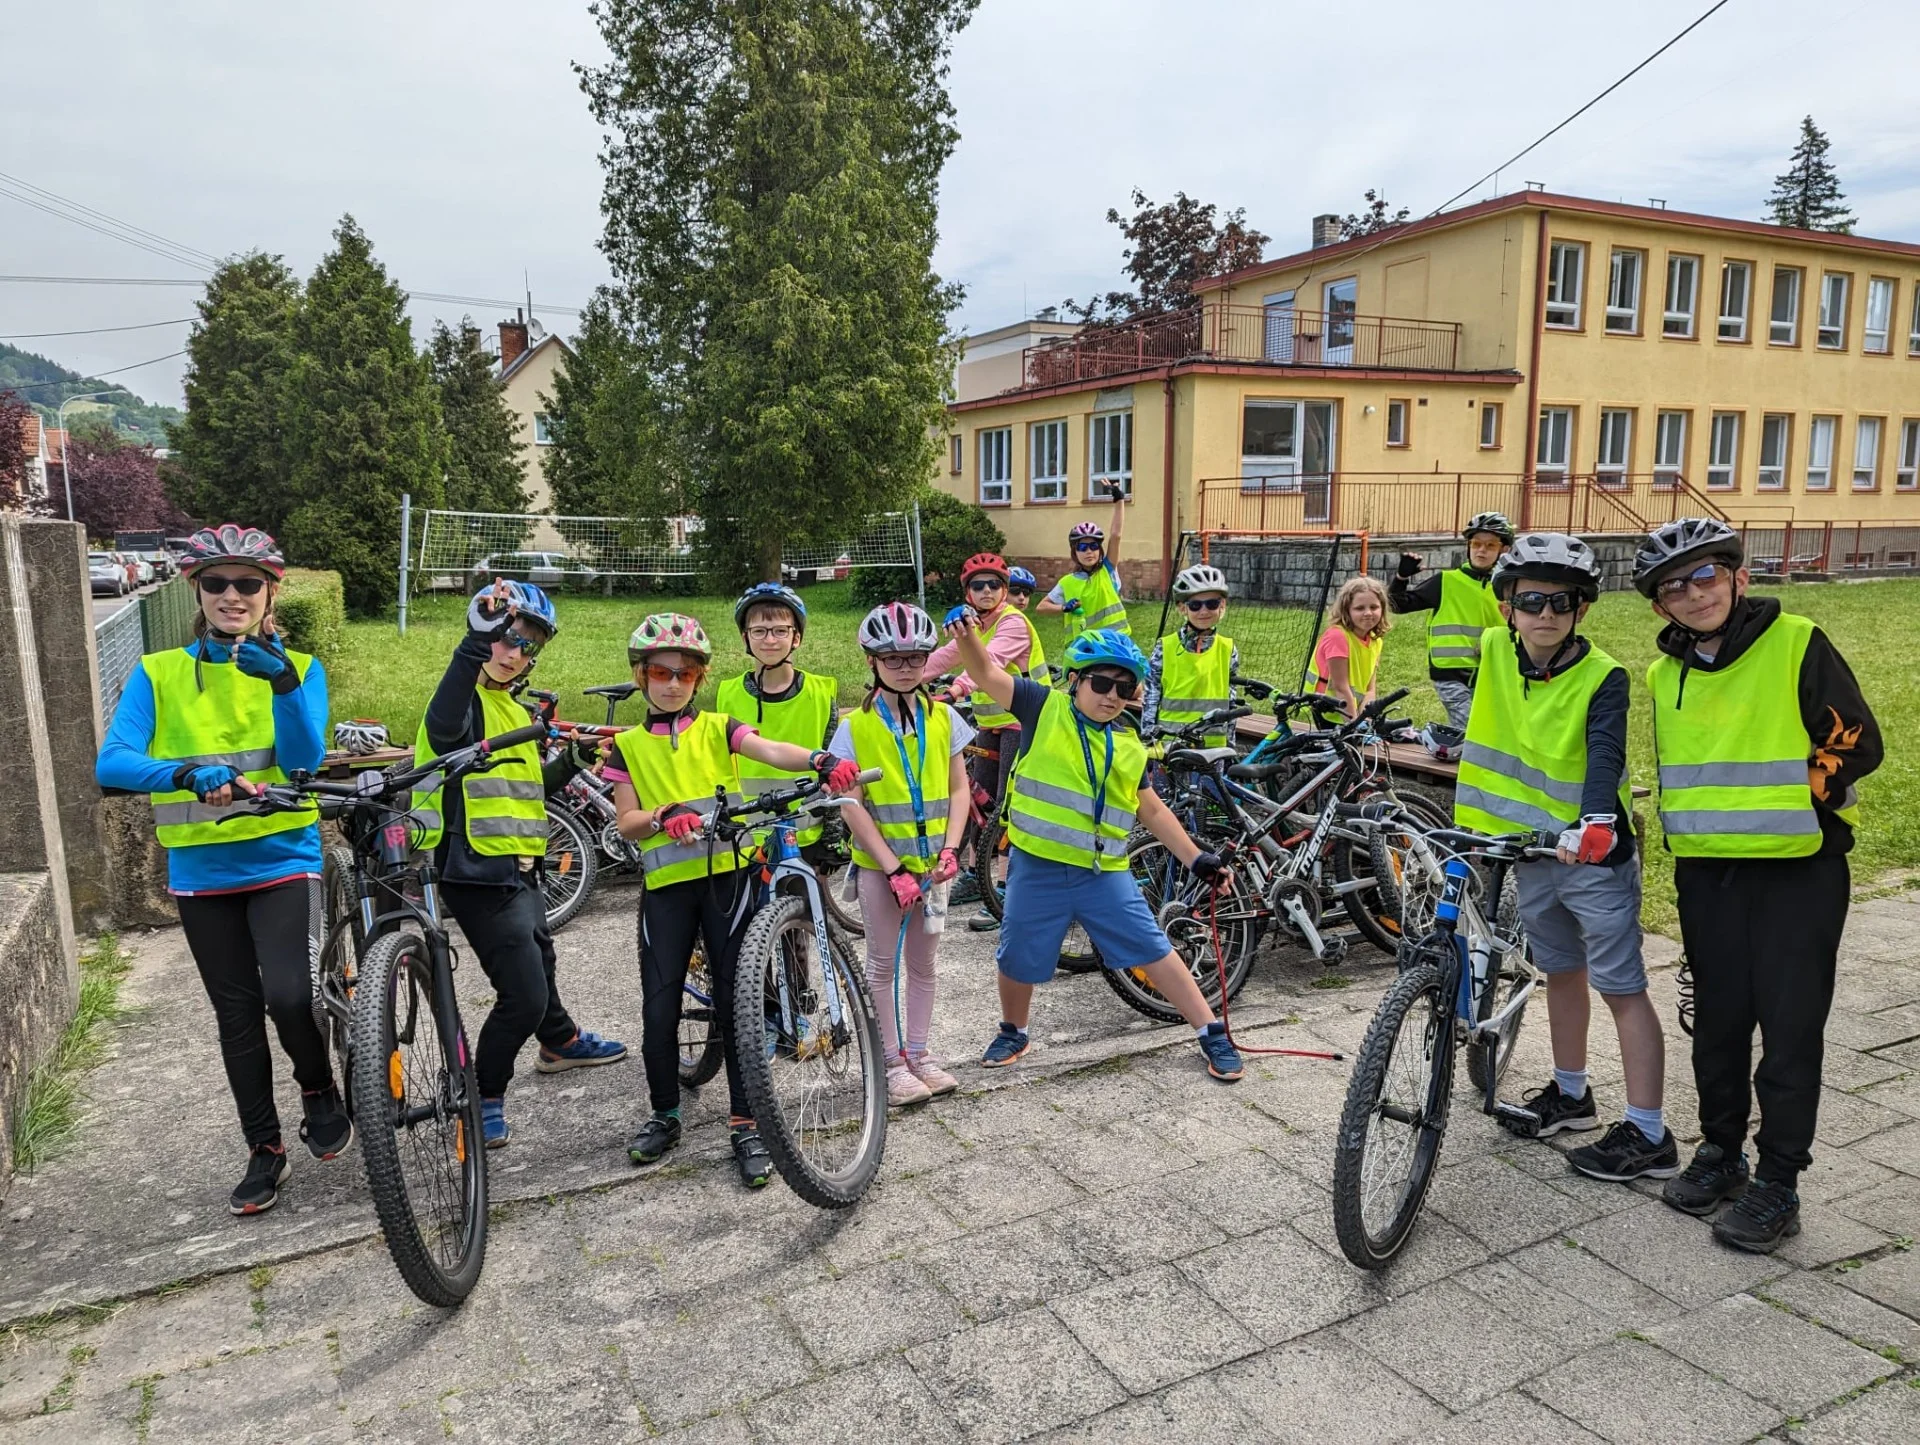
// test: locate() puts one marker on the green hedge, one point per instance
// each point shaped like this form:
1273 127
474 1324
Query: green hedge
950 532
312 612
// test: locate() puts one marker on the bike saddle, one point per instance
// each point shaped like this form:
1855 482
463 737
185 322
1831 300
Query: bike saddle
619 691
1258 772
1199 757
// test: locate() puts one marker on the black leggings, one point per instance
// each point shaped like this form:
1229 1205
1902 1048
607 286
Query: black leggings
252 951
669 917
507 928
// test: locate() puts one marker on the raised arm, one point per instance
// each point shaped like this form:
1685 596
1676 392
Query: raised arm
1119 518
989 676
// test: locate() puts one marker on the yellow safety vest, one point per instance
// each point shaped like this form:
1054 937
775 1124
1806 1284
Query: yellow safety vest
1525 761
1363 658
506 806
1733 752
686 769
1193 684
1467 607
986 712
802 720
889 801
1052 809
1037 667
230 722
1099 599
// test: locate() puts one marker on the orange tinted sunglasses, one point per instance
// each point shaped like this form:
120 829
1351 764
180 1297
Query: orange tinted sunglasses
659 672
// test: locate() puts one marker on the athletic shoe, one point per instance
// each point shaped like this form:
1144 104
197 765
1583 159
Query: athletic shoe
983 923
1007 1045
659 1134
1547 1111
326 1129
587 1051
937 1079
1709 1181
750 1153
493 1123
1766 1214
904 1089
1223 1059
966 889
1625 1153
267 1170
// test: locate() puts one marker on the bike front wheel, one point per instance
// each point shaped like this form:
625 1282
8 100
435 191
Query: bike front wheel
1192 933
417 1107
1394 1120
810 1059
570 869
836 871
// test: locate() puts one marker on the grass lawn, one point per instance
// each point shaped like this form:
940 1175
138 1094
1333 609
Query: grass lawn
381 675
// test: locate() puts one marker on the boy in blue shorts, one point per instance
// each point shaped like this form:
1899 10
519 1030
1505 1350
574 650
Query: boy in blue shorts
1075 794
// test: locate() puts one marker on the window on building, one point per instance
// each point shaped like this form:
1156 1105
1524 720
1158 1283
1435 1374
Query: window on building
543 430
1623 292
1833 312
1047 461
1109 453
1904 558
1670 448
1278 345
1683 295
1616 448
1489 425
1555 448
1913 324
996 467
1397 423
1736 296
1288 446
1783 325
1776 434
1877 335
1866 453
1820 434
956 447
1906 477
1566 273
1723 450
1342 300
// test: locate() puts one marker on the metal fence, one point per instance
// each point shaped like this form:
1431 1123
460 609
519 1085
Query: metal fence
1780 548
155 622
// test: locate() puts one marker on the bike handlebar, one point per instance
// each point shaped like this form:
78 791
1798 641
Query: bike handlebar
301 787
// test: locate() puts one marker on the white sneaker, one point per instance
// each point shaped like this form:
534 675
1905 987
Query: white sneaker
937 1079
903 1088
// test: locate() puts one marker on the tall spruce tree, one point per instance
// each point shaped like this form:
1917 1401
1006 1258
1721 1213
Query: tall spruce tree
365 420
1807 194
483 466
230 453
771 202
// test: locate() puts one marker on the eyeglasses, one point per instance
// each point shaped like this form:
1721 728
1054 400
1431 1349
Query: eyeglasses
1704 575
1534 603
903 661
1088 546
529 645
213 585
1101 684
769 634
985 584
1205 604
659 672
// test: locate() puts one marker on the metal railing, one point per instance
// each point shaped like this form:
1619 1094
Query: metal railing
1274 336
154 622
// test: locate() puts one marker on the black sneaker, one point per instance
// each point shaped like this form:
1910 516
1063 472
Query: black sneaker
659 1134
750 1154
267 1170
1766 1214
1625 1153
327 1129
1708 1182
1547 1111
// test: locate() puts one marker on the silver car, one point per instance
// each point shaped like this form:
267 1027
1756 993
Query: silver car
107 578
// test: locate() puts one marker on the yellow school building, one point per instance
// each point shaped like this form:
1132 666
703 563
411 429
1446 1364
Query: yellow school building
1582 365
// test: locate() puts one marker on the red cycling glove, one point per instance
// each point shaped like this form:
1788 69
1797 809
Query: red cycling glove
680 825
947 869
839 774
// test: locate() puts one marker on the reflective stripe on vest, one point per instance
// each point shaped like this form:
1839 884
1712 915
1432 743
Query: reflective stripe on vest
888 800
1193 684
1467 607
1037 667
1051 812
505 807
684 769
986 712
223 718
802 720
1733 750
1524 764
1099 599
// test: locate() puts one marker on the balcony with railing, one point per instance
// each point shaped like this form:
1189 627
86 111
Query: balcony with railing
1270 335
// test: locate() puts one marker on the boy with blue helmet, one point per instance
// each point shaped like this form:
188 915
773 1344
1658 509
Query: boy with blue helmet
1076 791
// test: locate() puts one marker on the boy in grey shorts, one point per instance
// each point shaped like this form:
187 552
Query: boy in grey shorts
1546 748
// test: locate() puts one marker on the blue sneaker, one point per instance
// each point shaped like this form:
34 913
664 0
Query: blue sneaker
1223 1059
1009 1044
587 1051
493 1123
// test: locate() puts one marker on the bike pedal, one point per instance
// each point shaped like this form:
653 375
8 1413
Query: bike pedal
1516 1120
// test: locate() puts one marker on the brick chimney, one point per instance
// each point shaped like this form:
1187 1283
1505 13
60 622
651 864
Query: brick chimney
1326 230
513 339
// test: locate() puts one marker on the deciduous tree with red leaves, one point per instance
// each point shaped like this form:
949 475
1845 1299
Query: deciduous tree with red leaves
13 449
116 486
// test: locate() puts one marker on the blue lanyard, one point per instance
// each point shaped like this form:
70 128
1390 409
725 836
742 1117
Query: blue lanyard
913 774
1099 784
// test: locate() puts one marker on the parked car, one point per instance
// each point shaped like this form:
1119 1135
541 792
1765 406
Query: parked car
108 577
139 568
163 565
552 570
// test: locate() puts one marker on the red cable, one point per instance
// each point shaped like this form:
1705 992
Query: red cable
1220 963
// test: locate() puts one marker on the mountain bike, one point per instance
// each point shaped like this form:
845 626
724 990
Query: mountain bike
383 989
1467 982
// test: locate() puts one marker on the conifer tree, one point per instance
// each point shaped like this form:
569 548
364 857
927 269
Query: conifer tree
1807 194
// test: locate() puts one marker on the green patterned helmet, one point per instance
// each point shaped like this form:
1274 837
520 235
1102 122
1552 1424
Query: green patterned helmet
668 632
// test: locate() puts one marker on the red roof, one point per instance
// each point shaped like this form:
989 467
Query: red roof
57 445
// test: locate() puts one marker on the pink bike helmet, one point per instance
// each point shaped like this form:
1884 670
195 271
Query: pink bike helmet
895 627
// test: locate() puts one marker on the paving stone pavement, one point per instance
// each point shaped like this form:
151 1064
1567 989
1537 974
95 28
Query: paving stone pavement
1097 1245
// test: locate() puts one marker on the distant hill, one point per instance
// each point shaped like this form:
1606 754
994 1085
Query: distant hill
46 384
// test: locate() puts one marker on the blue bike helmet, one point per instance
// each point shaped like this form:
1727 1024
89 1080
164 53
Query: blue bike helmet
770 594
526 600
1104 647
1021 577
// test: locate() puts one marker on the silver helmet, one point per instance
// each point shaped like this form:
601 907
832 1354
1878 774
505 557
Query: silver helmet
1689 539
1549 557
894 627
1198 581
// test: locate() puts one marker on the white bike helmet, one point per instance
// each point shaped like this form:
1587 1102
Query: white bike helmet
1549 557
895 627
359 736
1199 581
1444 742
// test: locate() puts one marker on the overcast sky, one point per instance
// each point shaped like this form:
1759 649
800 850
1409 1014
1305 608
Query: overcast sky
457 134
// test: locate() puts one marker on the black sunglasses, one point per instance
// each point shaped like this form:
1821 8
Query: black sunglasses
1532 603
245 586
1205 604
984 584
1101 684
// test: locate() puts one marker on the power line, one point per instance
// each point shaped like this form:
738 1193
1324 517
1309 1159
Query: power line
95 330
80 209
98 375
439 296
